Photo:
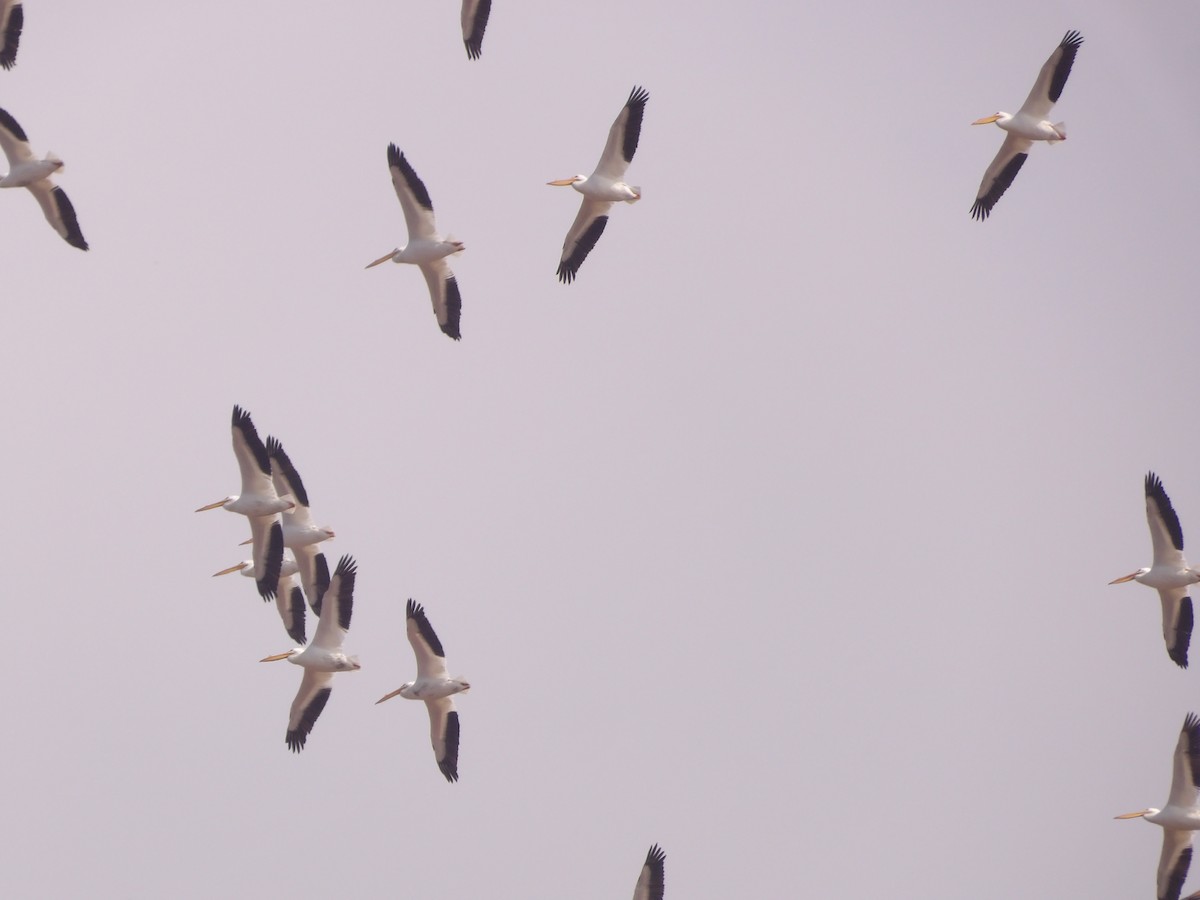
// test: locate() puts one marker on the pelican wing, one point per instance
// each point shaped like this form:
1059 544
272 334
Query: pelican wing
266 536
1174 863
13 141
337 606
314 574
306 708
1050 81
1165 533
585 231
651 881
443 291
443 733
1185 773
623 136
289 600
1000 174
1177 623
414 199
431 658
251 455
12 19
59 212
286 479
474 22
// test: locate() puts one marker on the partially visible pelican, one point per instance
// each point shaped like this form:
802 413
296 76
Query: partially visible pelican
1028 125
258 502
653 877
426 248
603 187
1180 817
323 656
1170 574
289 599
24 170
435 687
12 18
474 21
300 534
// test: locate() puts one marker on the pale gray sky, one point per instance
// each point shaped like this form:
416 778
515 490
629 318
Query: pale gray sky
780 538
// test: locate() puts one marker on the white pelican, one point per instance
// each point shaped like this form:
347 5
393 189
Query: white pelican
604 187
474 21
1028 125
652 879
258 502
300 535
426 248
1181 816
1170 573
12 18
435 687
289 599
27 172
323 656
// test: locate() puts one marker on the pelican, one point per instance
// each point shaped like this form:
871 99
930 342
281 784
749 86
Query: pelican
651 880
289 599
300 535
433 686
258 502
1170 573
474 20
426 248
323 656
604 187
1028 125
12 17
1181 816
26 171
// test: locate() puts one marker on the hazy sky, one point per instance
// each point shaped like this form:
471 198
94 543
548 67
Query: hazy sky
780 538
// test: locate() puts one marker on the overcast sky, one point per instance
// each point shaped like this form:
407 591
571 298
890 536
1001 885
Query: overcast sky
780 538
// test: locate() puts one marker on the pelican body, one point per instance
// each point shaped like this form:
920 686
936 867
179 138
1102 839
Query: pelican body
323 656
426 248
1029 124
603 187
434 686
27 171
1170 574
1180 817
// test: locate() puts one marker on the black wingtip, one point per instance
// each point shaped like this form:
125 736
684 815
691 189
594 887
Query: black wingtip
452 326
569 267
11 38
1071 39
297 738
397 160
416 612
449 764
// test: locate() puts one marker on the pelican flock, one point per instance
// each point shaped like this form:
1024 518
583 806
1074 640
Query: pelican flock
1170 574
1180 817
27 171
12 19
1028 125
435 686
426 248
604 187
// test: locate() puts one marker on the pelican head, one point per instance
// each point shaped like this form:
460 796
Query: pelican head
242 566
400 690
1137 815
383 258
567 182
994 117
1131 576
278 656
220 502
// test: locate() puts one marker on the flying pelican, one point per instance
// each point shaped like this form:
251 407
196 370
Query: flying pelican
474 20
650 882
1170 573
604 187
433 686
26 171
300 535
12 17
1028 125
323 656
289 599
258 502
1181 816
426 248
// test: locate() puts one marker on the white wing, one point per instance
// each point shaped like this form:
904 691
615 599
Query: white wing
266 536
289 600
12 18
581 238
310 700
443 291
1174 862
251 454
336 607
474 22
1053 76
1177 620
59 212
443 734
13 141
623 137
1166 535
431 658
1000 174
1186 764
653 876
414 199
314 574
